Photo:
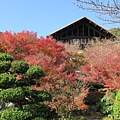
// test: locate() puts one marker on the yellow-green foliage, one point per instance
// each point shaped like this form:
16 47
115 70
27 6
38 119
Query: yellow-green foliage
106 118
116 106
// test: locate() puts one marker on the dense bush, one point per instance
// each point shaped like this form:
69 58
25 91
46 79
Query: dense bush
15 114
116 106
15 87
5 62
107 103
20 67
4 66
106 118
35 72
6 57
38 110
7 80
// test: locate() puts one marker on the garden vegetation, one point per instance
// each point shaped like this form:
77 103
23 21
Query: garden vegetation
44 79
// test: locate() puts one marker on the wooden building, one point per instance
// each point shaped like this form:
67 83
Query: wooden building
82 30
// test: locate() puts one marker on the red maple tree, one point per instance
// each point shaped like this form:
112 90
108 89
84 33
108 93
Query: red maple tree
104 65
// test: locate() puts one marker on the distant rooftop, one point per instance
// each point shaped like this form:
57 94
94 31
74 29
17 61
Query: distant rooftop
83 28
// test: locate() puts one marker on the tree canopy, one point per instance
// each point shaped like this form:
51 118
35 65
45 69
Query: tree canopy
16 79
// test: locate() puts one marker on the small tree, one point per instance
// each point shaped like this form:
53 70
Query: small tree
16 78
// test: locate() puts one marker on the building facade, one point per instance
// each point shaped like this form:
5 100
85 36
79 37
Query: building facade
82 31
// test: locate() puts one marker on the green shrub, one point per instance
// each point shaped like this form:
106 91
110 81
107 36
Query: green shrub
35 72
6 57
106 118
4 66
15 88
5 62
25 81
116 106
37 96
45 96
20 67
12 94
107 103
14 114
7 80
39 110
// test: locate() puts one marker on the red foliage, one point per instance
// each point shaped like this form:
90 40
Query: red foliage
104 66
45 52
19 45
19 77
53 58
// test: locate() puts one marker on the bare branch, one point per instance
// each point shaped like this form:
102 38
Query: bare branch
109 9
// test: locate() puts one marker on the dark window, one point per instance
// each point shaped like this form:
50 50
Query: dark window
96 34
85 30
75 32
64 35
81 30
91 32
69 33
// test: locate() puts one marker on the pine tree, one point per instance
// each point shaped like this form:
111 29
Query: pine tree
16 79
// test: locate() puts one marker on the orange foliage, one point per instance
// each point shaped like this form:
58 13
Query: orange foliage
55 60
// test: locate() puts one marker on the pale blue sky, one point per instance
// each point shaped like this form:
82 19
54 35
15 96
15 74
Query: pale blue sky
41 16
